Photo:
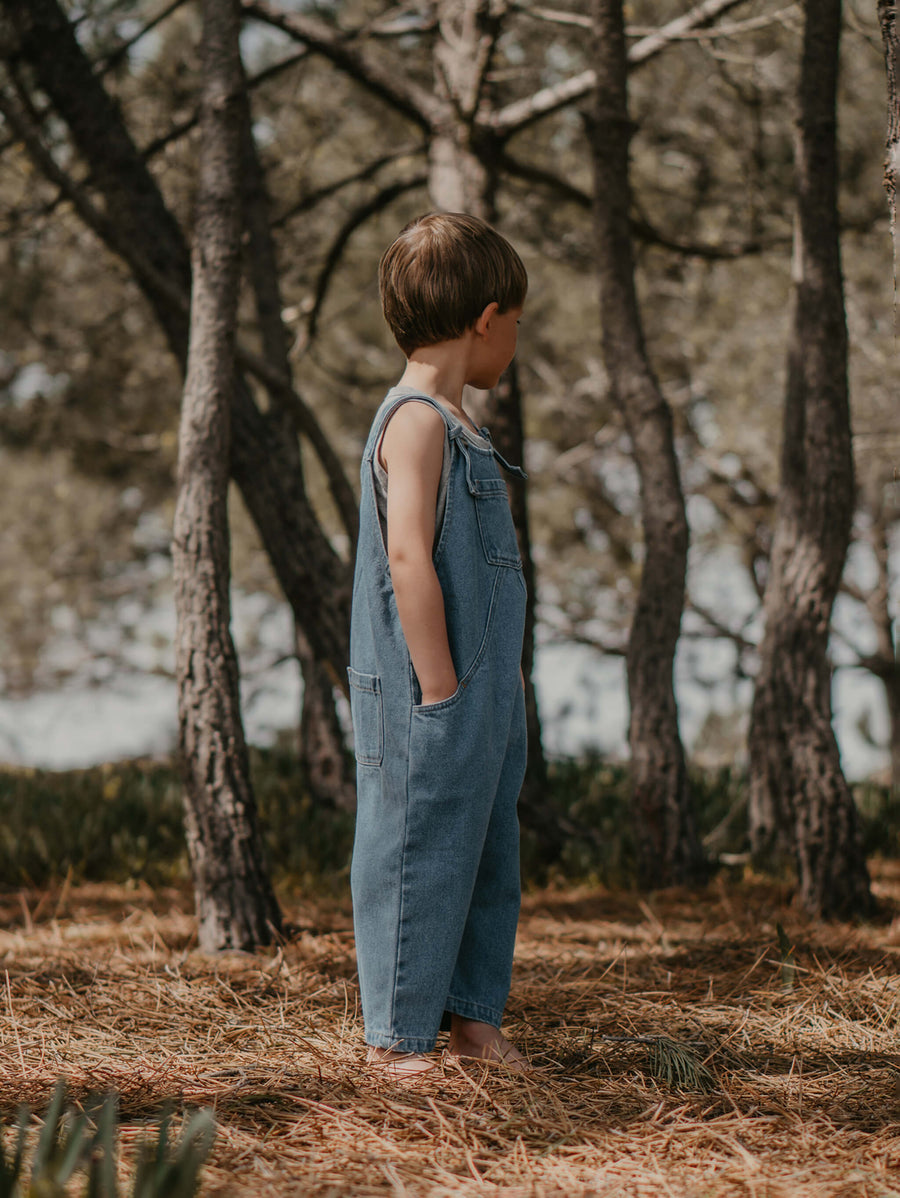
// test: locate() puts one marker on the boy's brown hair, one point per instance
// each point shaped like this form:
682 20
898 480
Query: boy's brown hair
441 273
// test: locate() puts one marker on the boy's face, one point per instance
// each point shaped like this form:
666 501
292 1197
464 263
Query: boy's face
498 347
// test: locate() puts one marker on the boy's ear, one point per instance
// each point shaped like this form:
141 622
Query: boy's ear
484 320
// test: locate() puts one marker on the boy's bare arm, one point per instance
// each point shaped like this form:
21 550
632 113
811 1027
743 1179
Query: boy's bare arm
412 450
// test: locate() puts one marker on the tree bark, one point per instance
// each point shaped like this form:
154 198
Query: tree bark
329 769
503 413
797 788
890 36
668 849
886 665
322 748
236 907
463 174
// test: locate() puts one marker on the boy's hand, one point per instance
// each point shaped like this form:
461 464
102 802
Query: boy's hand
441 695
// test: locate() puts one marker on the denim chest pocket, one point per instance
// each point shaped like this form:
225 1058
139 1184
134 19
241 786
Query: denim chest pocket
368 717
495 523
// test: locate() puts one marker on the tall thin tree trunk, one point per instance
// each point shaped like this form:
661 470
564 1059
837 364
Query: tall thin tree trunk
321 741
884 663
236 907
504 415
890 36
462 177
796 781
323 755
668 848
892 687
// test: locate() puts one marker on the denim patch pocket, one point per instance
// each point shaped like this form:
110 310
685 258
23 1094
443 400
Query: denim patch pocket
368 718
495 523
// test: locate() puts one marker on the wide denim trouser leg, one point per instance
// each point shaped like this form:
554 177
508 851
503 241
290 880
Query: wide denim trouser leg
481 979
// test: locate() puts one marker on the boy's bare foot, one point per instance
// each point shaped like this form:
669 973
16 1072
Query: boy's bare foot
482 1042
400 1065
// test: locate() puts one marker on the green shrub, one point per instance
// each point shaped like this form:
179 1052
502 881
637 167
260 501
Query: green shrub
125 821
307 842
879 810
70 1141
109 823
589 794
594 796
116 822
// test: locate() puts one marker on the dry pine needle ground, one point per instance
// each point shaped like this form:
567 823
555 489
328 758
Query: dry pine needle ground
104 986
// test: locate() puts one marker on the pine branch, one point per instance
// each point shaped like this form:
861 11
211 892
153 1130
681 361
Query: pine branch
314 198
184 127
641 230
17 112
521 113
114 57
718 629
388 84
93 218
355 220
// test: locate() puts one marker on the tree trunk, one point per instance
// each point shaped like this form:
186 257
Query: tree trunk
796 783
39 32
890 33
463 173
236 907
668 848
890 36
460 178
884 663
503 413
330 772
892 686
321 741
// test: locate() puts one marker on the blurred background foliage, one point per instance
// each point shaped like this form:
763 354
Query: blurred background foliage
89 394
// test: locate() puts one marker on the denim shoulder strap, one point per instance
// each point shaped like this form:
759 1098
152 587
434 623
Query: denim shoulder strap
389 407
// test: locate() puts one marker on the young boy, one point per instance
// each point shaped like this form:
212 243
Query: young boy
435 646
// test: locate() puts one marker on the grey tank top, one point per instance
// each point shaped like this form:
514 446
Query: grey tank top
381 478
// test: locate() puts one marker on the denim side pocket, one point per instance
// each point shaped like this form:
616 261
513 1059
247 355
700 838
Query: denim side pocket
368 717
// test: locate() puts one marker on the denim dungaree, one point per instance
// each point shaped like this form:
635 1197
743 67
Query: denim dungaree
435 874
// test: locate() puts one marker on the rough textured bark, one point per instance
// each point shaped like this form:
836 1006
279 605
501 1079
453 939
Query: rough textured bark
796 782
890 36
329 768
236 907
892 687
885 665
322 748
463 174
138 227
668 848
504 416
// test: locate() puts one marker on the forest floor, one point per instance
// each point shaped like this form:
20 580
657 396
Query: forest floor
800 1094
